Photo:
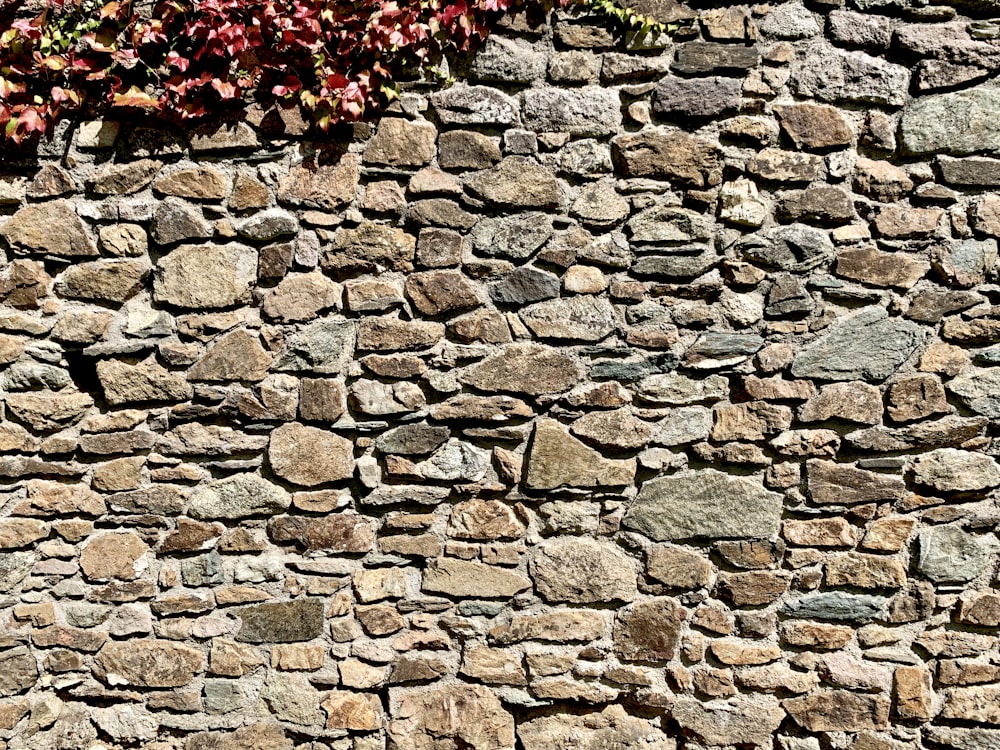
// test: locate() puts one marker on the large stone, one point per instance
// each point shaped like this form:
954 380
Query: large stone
259 736
871 266
401 143
370 246
866 345
591 110
236 356
649 631
468 579
516 183
18 671
558 626
557 459
831 483
684 98
281 622
326 186
238 496
125 383
441 292
835 75
475 105
113 281
706 504
962 122
949 555
794 248
516 237
148 663
954 471
814 126
980 704
740 720
609 729
200 183
979 389
176 220
527 368
21 532
508 61
341 532
324 346
579 318
206 276
120 555
48 411
52 228
449 717
581 570
668 154
836 605
839 711
310 456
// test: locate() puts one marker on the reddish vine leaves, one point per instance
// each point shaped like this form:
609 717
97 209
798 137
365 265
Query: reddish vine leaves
339 60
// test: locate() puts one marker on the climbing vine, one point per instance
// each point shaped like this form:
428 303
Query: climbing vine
338 60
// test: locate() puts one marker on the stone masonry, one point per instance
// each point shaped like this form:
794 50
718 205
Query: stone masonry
625 395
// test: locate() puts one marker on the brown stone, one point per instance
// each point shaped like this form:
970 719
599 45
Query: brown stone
752 589
148 663
484 519
47 498
677 567
980 608
649 631
323 186
450 716
462 578
905 222
200 183
259 736
839 711
915 397
751 421
773 164
516 183
301 297
369 247
321 399
858 570
814 126
248 192
844 484
236 356
354 711
118 555
557 459
978 704
310 456
805 634
441 292
24 282
401 143
820 532
388 334
52 228
881 180
871 266
124 178
340 533
912 688
560 626
466 149
668 153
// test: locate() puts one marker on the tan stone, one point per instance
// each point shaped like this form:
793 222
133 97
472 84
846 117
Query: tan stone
310 456
149 663
354 711
649 631
814 126
46 498
980 608
557 459
979 704
324 186
231 659
558 626
742 653
200 183
678 567
301 297
853 402
466 716
236 356
906 222
912 687
752 589
493 666
915 397
802 633
888 534
462 578
839 711
820 532
120 555
863 571
749 421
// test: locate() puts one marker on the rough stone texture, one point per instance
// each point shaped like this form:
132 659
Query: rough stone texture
630 393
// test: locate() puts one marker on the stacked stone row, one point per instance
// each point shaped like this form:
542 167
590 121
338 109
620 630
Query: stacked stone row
628 393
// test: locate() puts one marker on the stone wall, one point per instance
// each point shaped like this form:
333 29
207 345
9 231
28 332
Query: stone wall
610 399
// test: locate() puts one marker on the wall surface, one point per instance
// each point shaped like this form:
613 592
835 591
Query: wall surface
608 400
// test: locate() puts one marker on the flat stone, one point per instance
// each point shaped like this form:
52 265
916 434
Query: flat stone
835 75
148 663
322 186
525 368
124 178
950 555
743 720
703 97
281 622
114 555
238 496
954 123
324 346
205 276
516 183
663 153
704 504
456 716
176 220
704 58
590 110
441 292
144 381
52 228
871 266
649 631
525 285
581 570
814 126
794 248
866 345
310 456
259 736
370 246
578 318
401 143
949 470
47 410
236 356
978 704
558 626
610 728
18 671
839 711
475 105
557 459
836 605
831 483
199 183
469 579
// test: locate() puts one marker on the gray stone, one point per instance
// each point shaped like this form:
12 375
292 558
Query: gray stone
583 571
238 496
368 247
688 424
281 622
599 205
525 285
837 606
610 728
591 110
291 698
965 263
715 350
475 105
740 720
557 459
518 183
401 143
835 75
324 346
949 555
469 579
962 122
979 389
579 318
866 345
528 368
268 225
412 439
793 248
696 97
205 276
669 225
790 21
176 220
964 738
954 471
125 383
508 61
516 237
706 504
704 58
972 171
18 671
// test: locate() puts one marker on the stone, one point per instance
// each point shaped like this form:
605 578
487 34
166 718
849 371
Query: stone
441 292
965 263
864 345
580 570
793 248
839 711
663 153
776 165
649 630
124 178
144 381
467 579
558 626
460 715
588 111
742 719
324 346
881 180
148 662
851 401
18 671
484 519
466 149
677 567
475 105
837 606
704 504
258 736
581 318
525 285
703 97
516 237
843 484
516 183
281 622
814 126
310 456
524 368
820 532
238 496
200 183
340 533
268 225
949 555
861 571
235 356
200 276
702 58
752 421
912 688
53 228
600 205
176 220
401 143
557 459
368 247
835 75
48 411
349 710
612 727
326 185
826 206
871 266
113 281
617 429
114 555
954 123
949 470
